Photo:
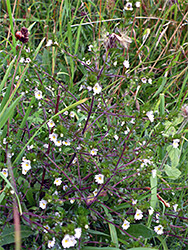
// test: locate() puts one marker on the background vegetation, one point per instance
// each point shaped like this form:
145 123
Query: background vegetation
93 124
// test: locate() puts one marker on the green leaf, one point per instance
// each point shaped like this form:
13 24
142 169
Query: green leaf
112 228
97 233
138 230
7 235
153 183
173 173
174 154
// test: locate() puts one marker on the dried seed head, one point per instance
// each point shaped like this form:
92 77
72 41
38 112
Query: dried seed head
23 35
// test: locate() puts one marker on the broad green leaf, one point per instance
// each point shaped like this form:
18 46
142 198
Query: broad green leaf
138 230
7 235
174 154
173 173
178 120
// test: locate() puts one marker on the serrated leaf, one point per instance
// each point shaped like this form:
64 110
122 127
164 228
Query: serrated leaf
7 235
173 173
138 230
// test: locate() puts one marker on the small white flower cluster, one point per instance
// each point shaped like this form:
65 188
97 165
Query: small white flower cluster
50 43
144 80
129 5
53 137
23 60
26 165
70 240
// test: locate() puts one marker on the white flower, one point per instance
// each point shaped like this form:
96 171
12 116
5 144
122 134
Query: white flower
66 112
115 63
99 178
138 215
150 81
5 172
72 201
58 143
49 43
143 79
150 115
26 166
116 137
95 192
88 62
51 243
90 47
78 232
154 172
127 131
132 121
86 226
175 143
45 145
94 151
175 206
72 114
50 123
128 6
150 210
22 60
134 202
27 60
126 64
158 229
65 187
97 89
4 141
66 143
46 227
157 217
28 50
53 137
29 147
68 241
38 94
137 4
126 225
58 181
89 88
42 204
